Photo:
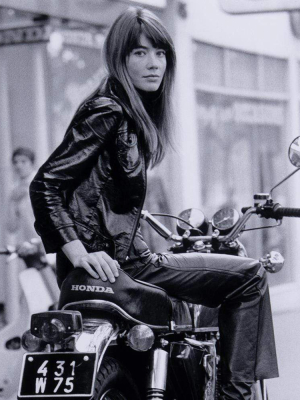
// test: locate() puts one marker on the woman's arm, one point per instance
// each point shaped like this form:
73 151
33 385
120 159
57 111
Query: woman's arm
65 167
77 154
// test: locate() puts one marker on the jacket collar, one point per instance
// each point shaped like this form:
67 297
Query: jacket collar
114 89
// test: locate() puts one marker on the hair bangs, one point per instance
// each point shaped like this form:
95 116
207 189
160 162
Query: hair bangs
157 38
133 38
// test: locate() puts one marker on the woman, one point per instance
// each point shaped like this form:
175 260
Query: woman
88 195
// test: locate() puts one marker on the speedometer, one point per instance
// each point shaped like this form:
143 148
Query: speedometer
195 219
225 219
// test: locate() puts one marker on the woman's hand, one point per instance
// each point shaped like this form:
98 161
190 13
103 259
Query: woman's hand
98 264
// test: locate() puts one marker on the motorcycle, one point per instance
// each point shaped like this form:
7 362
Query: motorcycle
130 340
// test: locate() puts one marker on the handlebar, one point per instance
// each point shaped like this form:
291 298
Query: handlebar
274 211
7 251
30 252
159 227
266 210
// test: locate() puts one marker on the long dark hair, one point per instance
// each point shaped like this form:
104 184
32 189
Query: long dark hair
122 38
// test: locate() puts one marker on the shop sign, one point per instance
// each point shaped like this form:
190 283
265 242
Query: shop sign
42 33
243 112
28 34
82 38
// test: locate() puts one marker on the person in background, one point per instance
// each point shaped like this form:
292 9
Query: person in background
87 199
20 218
20 221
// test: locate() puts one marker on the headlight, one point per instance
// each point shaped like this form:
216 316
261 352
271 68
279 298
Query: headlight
140 338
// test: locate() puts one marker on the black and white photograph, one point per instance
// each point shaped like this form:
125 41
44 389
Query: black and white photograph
150 199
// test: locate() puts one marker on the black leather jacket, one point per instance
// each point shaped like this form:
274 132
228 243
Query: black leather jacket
92 187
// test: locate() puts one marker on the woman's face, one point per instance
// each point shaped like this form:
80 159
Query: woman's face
146 65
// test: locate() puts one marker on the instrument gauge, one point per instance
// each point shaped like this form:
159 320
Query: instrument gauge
225 219
195 218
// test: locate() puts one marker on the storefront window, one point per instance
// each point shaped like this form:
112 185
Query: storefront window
275 75
209 64
241 70
76 70
47 68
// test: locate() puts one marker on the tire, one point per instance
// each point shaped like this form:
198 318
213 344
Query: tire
113 382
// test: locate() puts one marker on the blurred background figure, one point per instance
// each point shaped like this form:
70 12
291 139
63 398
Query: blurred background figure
20 220
30 283
19 212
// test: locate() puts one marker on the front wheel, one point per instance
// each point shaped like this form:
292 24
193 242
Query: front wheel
114 382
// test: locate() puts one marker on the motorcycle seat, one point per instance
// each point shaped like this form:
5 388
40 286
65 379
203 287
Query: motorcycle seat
133 300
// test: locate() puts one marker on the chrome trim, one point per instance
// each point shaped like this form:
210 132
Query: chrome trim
180 328
157 377
195 310
110 305
214 329
200 343
90 340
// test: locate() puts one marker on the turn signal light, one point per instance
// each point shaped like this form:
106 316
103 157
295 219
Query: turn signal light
140 338
31 343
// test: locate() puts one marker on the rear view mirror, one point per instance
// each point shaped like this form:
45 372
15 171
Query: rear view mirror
294 152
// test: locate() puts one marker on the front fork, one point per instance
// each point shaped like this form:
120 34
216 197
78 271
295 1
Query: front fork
157 378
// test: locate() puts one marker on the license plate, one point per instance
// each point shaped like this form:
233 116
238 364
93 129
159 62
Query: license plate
57 375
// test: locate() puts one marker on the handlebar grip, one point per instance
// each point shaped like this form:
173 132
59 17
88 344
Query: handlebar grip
287 212
7 251
244 209
156 225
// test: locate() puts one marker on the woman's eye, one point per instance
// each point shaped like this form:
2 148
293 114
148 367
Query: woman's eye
139 53
161 53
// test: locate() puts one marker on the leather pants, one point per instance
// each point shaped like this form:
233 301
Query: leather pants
238 286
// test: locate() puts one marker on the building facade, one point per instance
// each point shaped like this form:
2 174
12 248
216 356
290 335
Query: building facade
245 113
